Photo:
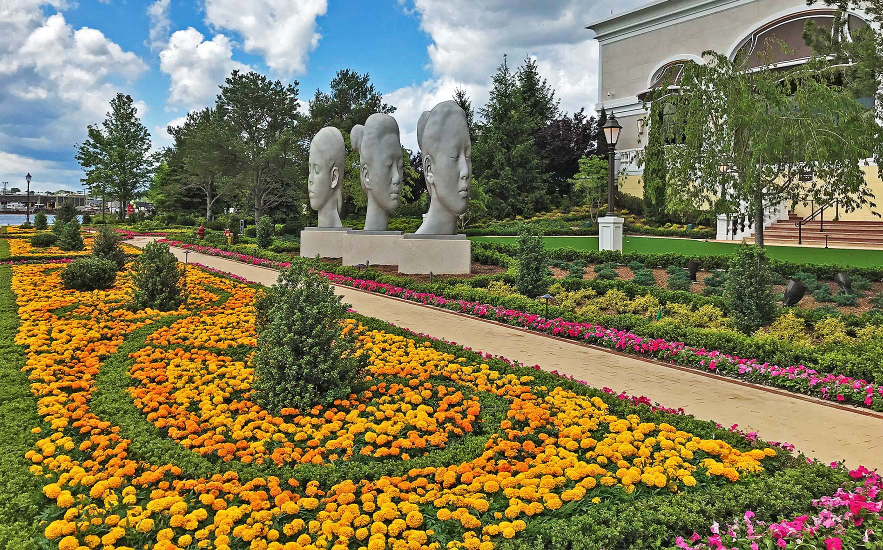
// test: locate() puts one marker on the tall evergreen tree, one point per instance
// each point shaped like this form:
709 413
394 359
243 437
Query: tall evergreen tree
536 94
461 98
116 156
263 115
505 161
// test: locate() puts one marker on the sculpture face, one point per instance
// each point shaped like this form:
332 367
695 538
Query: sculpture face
382 172
320 180
448 168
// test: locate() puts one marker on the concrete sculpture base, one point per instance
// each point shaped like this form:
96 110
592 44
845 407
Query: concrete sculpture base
610 233
375 247
437 254
326 242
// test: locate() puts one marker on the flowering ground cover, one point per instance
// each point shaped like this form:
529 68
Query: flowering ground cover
141 433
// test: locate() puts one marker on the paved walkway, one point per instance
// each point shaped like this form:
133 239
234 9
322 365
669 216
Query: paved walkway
819 430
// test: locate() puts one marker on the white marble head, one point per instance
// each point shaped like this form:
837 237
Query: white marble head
380 167
443 136
325 183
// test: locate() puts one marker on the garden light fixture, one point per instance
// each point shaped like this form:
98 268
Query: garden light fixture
546 297
611 134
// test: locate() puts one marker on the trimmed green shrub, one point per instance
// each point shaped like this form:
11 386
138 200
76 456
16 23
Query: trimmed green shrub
158 280
265 232
823 294
636 266
749 292
90 273
65 213
87 218
846 299
861 283
43 240
107 245
40 223
679 280
233 226
70 238
302 359
26 225
644 277
532 263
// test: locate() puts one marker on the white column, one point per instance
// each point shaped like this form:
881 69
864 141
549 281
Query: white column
723 227
610 233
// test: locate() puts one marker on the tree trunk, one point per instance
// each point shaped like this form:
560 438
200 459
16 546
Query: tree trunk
758 218
208 202
258 199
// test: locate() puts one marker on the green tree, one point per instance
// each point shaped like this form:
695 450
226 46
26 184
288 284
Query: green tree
265 232
70 238
106 245
653 161
749 289
40 222
158 280
504 159
768 127
462 99
536 94
533 263
116 156
590 184
477 207
304 355
209 157
262 115
65 213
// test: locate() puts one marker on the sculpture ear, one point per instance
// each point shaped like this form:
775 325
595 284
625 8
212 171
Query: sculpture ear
427 171
365 181
335 176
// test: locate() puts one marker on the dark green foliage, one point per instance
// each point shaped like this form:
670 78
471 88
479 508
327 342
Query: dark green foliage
749 291
107 245
877 301
90 273
265 232
40 222
808 279
65 213
823 294
674 270
44 239
678 280
302 360
70 238
653 161
846 299
285 246
87 218
644 277
636 266
715 283
26 225
606 271
158 279
532 264
860 283
251 231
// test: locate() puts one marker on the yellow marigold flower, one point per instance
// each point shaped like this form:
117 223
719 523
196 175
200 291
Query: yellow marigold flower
145 525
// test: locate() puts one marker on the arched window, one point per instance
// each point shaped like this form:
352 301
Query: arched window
665 80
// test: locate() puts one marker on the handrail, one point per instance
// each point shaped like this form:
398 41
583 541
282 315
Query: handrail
818 212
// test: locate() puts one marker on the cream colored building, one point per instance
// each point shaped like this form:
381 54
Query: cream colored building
648 45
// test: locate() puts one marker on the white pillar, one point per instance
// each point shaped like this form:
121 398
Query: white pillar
610 233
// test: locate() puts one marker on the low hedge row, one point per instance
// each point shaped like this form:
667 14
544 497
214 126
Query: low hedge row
560 229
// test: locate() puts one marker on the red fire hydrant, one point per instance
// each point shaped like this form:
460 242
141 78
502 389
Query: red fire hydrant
200 232
229 236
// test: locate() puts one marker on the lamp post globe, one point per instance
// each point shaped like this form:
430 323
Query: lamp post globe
28 199
611 128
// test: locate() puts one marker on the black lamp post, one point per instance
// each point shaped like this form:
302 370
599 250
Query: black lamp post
186 252
611 134
546 297
28 198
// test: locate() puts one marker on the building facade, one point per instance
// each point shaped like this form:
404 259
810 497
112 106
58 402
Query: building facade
647 46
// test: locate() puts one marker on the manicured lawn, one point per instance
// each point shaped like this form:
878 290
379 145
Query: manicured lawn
858 258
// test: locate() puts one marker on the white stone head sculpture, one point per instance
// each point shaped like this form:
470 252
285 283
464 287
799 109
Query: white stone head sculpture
380 167
327 160
443 136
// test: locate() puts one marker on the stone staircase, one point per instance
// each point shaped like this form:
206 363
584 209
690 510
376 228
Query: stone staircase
866 234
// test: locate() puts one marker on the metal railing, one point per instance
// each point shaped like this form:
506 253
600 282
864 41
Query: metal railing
817 213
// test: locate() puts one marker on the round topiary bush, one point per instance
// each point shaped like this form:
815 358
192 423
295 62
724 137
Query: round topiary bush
265 232
303 357
70 239
40 222
107 245
158 279
43 240
89 273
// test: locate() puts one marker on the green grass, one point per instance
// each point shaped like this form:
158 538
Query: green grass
4 249
841 256
19 489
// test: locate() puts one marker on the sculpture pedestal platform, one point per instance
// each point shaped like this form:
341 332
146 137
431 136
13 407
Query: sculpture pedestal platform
326 242
372 247
610 233
437 254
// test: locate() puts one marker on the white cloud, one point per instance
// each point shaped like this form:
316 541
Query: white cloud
160 24
196 67
161 135
47 175
284 32
54 80
469 39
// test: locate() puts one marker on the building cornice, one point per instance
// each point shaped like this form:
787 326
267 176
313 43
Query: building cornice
660 14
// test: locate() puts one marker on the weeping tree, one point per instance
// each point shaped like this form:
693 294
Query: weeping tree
653 162
746 137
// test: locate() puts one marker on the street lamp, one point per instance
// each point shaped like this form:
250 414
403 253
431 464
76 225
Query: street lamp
28 198
611 134
546 297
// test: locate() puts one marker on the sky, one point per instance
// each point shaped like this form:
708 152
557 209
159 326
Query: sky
61 61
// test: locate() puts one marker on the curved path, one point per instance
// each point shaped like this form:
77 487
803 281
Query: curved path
821 430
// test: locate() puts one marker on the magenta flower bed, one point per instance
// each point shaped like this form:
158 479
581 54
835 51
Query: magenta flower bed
797 378
850 518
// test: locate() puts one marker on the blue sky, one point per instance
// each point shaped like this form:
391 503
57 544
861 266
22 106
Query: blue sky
66 59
